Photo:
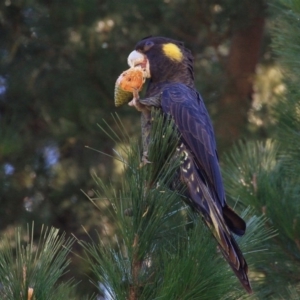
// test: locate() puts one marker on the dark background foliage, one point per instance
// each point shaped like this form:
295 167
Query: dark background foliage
59 62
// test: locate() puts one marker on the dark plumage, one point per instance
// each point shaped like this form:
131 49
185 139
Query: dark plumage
171 87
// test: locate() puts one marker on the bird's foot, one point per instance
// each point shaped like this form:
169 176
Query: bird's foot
144 160
135 102
152 101
146 103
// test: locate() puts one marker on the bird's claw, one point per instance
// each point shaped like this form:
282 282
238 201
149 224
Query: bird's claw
145 160
135 101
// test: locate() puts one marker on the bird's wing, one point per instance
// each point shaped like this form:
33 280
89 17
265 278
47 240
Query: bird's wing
200 171
192 120
187 109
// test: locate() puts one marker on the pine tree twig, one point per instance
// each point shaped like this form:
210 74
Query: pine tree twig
254 182
30 290
136 267
30 293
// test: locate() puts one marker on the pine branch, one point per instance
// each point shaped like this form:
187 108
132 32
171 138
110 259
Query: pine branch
32 271
161 250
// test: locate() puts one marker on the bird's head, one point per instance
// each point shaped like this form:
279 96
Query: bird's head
163 60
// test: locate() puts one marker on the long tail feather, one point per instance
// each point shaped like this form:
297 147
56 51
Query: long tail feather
220 223
242 270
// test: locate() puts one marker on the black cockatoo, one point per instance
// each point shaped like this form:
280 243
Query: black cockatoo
169 67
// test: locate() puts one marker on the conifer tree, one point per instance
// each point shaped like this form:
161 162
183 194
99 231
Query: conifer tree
163 249
265 174
31 271
58 62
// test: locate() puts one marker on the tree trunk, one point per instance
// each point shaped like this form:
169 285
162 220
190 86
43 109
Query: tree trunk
236 101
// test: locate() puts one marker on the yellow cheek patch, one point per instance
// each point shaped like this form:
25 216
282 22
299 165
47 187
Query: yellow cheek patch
173 52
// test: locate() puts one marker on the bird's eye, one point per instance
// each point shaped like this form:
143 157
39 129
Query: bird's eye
148 45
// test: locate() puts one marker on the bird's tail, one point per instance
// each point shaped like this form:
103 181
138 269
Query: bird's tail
237 262
228 246
220 220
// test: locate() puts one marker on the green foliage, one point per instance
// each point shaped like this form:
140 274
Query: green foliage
266 184
249 170
37 267
58 64
286 44
162 251
265 174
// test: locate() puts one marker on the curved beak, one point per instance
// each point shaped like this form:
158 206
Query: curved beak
138 59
